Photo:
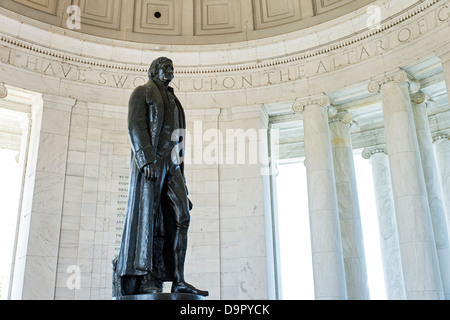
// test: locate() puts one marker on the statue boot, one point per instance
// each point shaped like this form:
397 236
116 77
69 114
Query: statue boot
184 287
180 248
151 285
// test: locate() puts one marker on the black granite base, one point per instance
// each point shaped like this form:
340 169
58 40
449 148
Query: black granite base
160 297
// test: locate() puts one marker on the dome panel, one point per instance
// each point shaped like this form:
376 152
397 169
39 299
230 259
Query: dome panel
103 13
155 17
185 22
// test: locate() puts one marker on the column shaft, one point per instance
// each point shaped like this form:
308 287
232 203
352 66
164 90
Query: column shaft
389 244
416 238
349 212
326 246
442 152
434 192
442 141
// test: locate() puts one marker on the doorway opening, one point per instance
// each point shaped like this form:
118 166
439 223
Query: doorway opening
15 128
10 185
294 242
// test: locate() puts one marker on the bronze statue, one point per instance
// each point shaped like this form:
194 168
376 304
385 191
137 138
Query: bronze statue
154 240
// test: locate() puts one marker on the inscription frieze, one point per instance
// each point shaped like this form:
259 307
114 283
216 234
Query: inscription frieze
314 63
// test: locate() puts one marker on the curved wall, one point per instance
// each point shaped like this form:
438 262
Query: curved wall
86 81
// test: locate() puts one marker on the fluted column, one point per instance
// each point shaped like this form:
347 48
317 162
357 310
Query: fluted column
416 238
348 203
442 152
434 191
389 244
326 246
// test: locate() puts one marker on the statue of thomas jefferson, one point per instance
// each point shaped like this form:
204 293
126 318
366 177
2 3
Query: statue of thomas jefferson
154 240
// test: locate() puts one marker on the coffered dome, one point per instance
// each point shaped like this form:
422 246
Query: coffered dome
185 21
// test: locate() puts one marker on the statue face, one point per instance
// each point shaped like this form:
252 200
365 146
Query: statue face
165 73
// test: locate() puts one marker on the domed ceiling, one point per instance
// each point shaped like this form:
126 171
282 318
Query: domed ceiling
184 21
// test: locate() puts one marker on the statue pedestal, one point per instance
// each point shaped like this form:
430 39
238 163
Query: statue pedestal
160 297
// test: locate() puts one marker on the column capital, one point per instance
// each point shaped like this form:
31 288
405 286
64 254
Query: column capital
344 117
3 91
321 100
441 136
421 98
368 152
399 77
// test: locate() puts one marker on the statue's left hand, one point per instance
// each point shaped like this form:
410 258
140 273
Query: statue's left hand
150 171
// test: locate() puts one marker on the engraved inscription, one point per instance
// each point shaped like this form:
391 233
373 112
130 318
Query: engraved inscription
121 207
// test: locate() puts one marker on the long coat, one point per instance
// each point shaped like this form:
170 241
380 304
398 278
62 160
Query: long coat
146 226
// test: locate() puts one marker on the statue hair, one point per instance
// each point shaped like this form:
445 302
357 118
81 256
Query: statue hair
156 65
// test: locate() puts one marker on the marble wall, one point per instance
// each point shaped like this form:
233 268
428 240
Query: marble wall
40 220
95 197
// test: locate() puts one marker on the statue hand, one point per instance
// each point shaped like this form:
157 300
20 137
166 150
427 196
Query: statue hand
150 171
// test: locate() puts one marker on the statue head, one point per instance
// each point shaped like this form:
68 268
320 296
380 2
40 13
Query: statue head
162 69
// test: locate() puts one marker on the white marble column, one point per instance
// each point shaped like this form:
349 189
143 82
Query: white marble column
417 244
326 245
390 248
40 222
434 191
269 171
348 203
442 152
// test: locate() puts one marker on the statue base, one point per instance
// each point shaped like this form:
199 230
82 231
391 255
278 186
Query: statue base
160 297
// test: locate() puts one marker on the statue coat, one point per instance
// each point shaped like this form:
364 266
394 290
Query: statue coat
147 226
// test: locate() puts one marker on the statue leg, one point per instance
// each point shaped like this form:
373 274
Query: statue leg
178 200
179 251
151 285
